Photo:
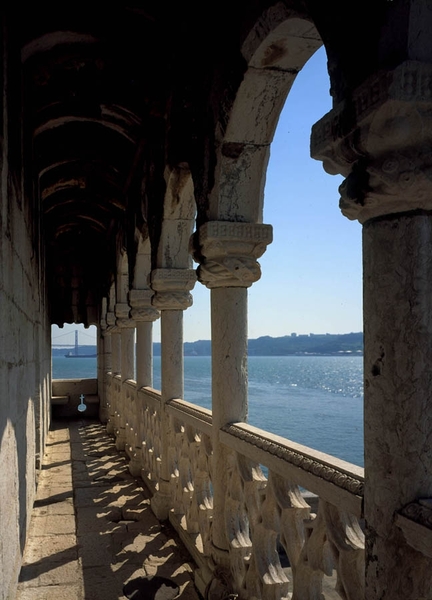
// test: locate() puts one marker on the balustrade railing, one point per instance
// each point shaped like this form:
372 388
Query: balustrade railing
280 545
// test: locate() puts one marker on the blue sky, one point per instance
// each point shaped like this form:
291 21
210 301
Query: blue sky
311 273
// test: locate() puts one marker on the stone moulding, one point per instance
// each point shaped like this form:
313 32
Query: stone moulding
201 419
415 521
352 483
151 398
419 513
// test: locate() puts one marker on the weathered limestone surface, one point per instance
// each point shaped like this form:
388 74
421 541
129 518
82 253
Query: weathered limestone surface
25 357
113 153
398 411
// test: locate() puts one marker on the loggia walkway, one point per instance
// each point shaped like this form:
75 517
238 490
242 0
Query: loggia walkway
92 534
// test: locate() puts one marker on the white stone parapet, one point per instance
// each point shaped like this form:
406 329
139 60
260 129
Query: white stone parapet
323 539
381 142
228 252
172 287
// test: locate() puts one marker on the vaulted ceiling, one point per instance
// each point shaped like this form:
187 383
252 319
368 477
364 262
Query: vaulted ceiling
92 94
113 96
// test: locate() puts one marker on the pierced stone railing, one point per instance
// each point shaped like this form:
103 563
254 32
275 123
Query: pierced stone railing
149 415
132 428
273 514
280 545
191 477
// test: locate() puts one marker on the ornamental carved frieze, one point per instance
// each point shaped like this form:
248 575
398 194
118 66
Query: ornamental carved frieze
228 252
142 308
172 288
350 483
381 141
122 313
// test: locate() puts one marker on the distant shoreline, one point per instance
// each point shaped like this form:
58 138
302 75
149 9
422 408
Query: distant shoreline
345 344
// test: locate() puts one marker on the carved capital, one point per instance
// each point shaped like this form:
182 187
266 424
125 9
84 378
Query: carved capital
228 252
111 323
122 313
142 308
171 287
382 143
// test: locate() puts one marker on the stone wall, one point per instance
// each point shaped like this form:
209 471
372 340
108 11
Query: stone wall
25 356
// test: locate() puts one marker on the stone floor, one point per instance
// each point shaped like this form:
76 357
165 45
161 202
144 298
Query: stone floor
92 530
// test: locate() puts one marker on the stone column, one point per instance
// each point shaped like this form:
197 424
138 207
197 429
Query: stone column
112 338
115 343
143 313
387 160
228 254
127 340
104 366
127 334
172 297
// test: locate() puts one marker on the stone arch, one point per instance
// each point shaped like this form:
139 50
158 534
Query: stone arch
122 279
276 48
178 219
142 266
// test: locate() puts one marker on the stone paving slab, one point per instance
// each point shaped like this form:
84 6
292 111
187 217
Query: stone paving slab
92 529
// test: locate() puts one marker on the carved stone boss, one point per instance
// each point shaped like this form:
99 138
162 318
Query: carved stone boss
382 143
228 252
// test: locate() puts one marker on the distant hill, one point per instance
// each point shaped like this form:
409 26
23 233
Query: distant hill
327 344
313 344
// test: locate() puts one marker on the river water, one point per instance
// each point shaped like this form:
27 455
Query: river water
312 400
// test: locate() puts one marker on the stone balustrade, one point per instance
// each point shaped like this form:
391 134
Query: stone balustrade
149 410
278 544
273 512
